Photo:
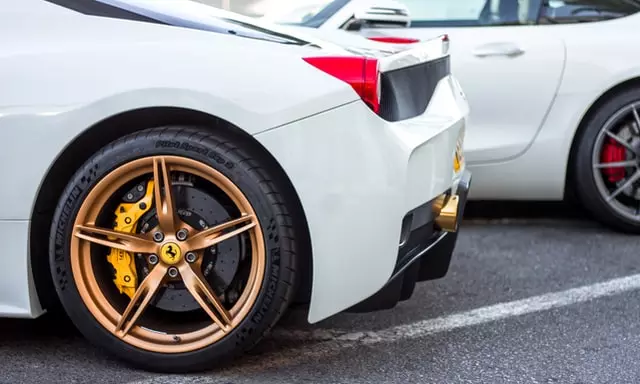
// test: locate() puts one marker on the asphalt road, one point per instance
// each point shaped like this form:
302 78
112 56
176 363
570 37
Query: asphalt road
526 301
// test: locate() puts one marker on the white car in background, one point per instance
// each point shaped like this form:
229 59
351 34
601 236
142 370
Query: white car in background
176 180
553 86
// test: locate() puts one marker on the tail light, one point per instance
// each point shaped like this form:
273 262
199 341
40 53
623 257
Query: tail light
361 73
394 40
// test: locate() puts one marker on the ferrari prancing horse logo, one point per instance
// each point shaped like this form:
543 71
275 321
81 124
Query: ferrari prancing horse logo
170 253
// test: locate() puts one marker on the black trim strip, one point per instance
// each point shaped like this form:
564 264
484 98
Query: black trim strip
222 25
96 8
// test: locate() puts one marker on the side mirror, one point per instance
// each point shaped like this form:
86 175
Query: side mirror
380 14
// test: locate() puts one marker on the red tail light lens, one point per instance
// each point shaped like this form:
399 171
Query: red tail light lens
394 40
359 72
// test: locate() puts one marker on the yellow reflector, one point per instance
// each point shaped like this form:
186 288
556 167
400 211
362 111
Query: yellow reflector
458 157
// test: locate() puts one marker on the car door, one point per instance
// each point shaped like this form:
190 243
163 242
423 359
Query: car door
509 68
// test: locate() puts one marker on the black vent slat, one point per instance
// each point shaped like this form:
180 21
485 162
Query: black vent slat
406 92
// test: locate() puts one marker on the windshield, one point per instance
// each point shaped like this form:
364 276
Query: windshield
555 11
309 13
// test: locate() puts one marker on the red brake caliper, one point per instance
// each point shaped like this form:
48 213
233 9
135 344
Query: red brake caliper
613 152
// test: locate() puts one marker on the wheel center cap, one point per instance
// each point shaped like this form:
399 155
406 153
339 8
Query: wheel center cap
170 253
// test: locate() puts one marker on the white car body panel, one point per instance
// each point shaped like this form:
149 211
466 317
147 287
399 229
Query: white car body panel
77 105
503 121
119 66
358 217
526 108
18 297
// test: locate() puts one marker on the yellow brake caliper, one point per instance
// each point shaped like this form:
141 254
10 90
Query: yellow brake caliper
127 216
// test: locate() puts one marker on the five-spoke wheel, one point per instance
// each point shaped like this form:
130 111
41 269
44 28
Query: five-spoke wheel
165 251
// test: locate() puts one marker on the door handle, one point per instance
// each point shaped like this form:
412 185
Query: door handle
498 49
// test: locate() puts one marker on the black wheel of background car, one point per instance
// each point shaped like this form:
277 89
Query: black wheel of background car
607 163
172 248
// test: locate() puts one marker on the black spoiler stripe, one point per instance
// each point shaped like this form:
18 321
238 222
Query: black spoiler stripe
96 8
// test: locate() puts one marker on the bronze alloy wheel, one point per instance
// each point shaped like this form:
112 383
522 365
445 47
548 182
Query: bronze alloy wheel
171 253
123 323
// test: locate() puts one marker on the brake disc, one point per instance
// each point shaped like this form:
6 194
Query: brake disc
200 210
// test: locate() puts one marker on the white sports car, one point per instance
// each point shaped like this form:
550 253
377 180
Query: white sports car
176 185
553 86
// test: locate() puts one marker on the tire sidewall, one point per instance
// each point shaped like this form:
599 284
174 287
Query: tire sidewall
201 148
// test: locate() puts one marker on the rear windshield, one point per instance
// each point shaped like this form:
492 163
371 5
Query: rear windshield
179 13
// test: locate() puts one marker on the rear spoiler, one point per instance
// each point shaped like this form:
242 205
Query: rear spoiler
419 53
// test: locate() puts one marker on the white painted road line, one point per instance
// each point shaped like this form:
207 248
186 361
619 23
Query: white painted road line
332 341
476 316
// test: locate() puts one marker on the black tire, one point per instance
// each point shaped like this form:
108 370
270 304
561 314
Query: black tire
585 187
236 160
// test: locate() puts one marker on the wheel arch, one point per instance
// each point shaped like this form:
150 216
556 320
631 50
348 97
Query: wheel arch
590 112
96 136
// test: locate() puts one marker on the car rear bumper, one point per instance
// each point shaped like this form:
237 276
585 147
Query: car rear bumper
425 250
357 177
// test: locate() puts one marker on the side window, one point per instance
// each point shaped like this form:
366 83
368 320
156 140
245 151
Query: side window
580 11
471 13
